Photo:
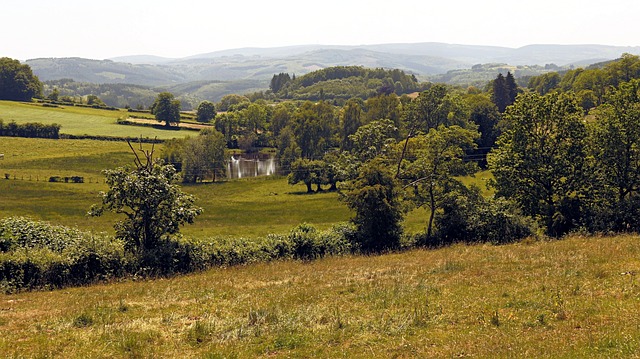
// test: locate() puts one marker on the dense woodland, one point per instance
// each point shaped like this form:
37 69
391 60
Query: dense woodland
564 150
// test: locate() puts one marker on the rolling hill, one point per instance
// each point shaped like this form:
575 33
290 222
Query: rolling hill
212 75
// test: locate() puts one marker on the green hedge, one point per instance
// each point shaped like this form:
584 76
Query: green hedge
39 255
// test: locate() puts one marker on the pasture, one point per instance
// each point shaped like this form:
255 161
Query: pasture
572 298
81 121
247 207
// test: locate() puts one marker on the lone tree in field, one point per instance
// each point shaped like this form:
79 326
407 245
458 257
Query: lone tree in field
166 108
154 205
206 111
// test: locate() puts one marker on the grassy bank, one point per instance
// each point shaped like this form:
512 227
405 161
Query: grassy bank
571 298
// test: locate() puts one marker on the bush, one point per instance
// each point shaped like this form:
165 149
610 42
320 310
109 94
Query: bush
36 255
469 217
40 255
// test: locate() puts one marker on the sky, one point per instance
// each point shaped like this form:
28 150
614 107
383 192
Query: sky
181 28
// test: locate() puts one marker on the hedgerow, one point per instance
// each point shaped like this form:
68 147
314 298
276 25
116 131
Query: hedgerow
39 255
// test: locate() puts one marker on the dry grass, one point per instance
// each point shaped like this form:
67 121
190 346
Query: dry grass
572 298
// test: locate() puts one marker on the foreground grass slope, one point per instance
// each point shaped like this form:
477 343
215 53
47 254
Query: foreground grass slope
577 297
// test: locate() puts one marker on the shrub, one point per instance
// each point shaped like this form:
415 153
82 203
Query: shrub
469 217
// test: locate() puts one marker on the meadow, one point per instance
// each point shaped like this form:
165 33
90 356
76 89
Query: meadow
247 207
82 121
575 297
572 298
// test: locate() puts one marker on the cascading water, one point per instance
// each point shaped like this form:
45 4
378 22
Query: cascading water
251 165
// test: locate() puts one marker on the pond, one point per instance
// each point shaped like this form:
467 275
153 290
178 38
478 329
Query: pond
251 165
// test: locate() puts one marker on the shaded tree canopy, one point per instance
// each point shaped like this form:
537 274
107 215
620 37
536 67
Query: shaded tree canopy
166 108
17 81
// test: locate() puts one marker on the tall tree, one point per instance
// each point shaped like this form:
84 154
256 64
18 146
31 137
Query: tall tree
350 121
500 93
375 198
17 81
166 108
279 81
540 161
434 161
615 146
512 88
314 125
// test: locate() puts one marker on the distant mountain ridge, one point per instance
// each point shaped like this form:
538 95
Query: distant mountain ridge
252 68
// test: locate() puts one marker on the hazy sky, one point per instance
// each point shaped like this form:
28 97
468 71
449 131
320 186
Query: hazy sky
179 28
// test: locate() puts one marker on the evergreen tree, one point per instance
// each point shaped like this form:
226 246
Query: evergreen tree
500 94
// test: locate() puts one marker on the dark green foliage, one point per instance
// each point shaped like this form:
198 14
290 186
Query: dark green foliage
17 81
375 198
113 95
166 108
504 91
345 82
468 217
206 111
279 81
309 172
30 130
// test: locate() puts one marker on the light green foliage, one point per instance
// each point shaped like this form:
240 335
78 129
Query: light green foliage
314 125
614 143
540 161
166 108
374 139
203 156
228 102
434 107
431 163
153 204
384 107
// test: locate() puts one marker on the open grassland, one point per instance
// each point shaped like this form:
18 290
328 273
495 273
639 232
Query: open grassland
80 121
574 298
248 207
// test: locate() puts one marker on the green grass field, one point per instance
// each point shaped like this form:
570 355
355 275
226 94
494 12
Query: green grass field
248 207
572 298
81 121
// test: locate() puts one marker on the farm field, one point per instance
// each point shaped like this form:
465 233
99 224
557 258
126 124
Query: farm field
571 298
80 121
248 207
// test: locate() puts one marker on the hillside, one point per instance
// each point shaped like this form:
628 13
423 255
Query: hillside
573 298
213 75
422 59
